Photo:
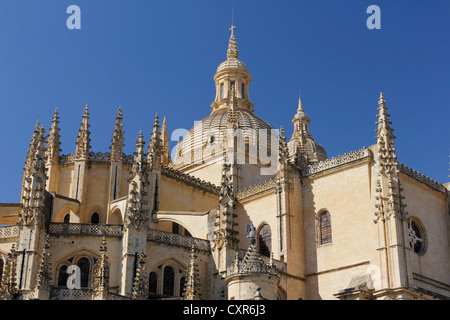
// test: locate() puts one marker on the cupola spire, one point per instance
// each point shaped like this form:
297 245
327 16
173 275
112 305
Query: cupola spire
232 51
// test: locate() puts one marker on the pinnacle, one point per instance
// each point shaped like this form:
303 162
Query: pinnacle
232 45
300 106
156 122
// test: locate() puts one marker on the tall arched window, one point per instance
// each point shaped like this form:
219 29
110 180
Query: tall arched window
67 218
153 282
265 240
95 218
62 276
325 228
84 266
168 281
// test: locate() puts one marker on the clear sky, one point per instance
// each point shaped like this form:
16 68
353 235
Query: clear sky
160 57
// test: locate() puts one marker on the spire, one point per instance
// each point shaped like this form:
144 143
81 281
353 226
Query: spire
389 190
140 286
83 140
101 273
136 214
283 148
165 144
139 155
232 72
192 291
232 51
301 134
225 233
34 184
385 139
44 274
53 145
32 149
300 121
117 142
154 152
226 183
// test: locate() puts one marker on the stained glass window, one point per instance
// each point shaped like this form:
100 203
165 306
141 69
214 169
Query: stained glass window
325 228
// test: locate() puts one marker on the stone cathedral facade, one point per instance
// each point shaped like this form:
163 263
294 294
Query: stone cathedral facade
240 211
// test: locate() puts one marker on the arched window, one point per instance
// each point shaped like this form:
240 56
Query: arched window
182 284
153 282
243 91
168 281
95 218
265 240
62 276
67 218
1 270
222 91
325 228
84 266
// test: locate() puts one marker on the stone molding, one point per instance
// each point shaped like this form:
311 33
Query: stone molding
96 157
421 177
257 188
190 180
335 162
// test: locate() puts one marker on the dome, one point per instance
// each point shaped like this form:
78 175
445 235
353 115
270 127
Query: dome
211 131
312 147
232 63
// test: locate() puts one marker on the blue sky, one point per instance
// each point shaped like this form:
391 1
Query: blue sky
160 56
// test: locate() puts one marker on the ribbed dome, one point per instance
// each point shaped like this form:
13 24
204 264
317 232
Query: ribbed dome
232 63
212 130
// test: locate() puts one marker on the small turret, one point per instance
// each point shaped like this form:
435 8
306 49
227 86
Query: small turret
302 147
250 275
232 73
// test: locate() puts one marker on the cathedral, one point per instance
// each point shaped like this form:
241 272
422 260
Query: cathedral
239 211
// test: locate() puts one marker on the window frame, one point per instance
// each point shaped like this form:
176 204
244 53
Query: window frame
319 228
